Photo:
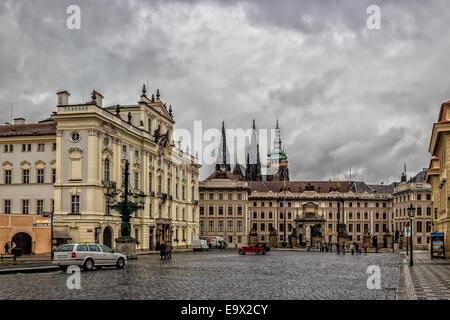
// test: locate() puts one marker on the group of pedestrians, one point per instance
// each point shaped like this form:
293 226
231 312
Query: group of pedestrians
356 248
340 249
165 250
13 247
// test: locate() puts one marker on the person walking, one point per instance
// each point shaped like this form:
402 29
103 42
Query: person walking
343 248
169 251
162 250
6 248
353 249
13 248
365 250
359 249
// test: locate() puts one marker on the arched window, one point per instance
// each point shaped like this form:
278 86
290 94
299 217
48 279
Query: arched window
106 168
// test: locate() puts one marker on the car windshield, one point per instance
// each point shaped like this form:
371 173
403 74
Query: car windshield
65 248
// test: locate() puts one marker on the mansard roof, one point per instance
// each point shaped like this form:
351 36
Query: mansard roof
223 174
318 186
28 129
381 188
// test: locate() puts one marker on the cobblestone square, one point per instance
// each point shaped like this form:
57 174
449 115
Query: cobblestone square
220 275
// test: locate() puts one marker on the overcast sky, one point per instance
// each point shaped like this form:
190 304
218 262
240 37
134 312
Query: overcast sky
345 96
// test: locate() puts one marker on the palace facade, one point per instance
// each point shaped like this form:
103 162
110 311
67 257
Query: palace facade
67 163
275 208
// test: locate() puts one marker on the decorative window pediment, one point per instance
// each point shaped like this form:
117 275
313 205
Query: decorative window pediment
39 164
25 164
107 152
75 153
7 165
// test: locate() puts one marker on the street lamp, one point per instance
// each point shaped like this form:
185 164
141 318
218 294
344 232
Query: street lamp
125 206
407 241
411 211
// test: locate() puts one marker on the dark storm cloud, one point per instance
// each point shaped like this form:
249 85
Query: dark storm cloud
345 96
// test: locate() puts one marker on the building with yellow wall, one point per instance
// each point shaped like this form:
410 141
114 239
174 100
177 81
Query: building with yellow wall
68 163
439 148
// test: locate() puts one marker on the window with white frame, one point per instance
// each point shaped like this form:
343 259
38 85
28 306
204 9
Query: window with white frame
106 169
25 206
40 175
39 206
8 176
136 180
7 206
75 204
25 175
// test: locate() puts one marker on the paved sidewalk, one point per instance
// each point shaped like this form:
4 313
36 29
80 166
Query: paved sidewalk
427 279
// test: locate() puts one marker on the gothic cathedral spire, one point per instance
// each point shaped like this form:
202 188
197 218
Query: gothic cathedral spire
223 156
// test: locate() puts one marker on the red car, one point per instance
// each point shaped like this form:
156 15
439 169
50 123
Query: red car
258 249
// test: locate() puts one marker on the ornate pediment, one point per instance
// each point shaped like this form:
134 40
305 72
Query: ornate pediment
7 164
107 151
163 145
25 164
108 128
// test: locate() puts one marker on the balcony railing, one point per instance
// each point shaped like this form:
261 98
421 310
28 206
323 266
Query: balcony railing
109 184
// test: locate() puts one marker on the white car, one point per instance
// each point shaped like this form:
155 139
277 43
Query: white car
88 256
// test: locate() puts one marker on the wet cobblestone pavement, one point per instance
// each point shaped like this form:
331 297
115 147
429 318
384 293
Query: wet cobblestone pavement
219 275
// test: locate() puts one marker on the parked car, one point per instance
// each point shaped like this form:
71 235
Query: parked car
199 245
87 256
258 249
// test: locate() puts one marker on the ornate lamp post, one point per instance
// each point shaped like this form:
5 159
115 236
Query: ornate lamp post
130 202
411 211
340 226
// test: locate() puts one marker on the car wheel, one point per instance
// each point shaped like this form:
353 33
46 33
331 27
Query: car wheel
241 252
88 265
63 268
263 252
260 251
120 263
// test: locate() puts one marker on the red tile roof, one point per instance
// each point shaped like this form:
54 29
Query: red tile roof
299 186
30 129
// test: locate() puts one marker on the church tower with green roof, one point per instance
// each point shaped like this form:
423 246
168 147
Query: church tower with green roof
277 161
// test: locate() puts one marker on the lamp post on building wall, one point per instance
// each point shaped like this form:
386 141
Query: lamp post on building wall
411 211
130 202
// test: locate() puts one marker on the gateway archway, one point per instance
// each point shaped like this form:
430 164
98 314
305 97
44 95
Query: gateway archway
23 241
